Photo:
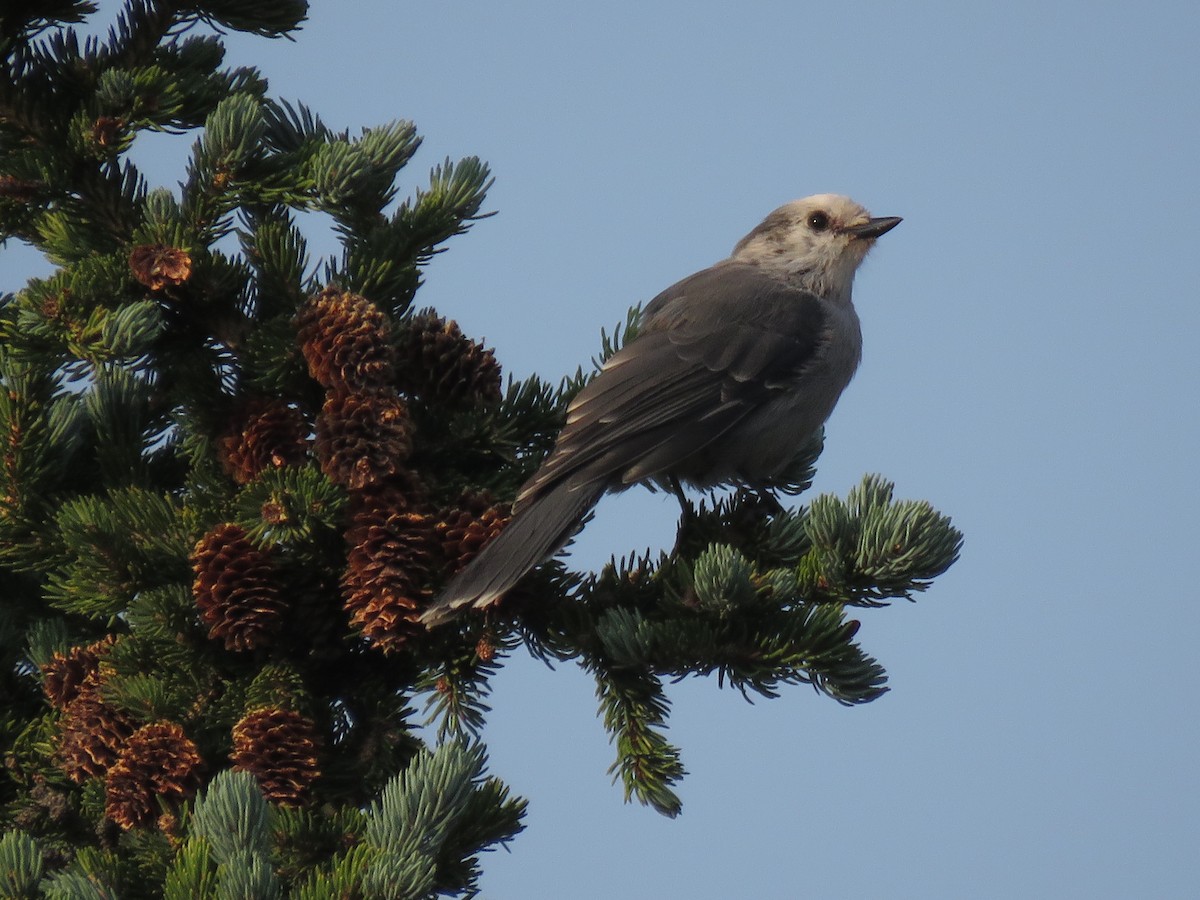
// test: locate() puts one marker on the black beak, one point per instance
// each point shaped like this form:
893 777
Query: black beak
873 228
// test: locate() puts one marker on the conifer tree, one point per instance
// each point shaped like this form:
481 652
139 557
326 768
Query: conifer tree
232 476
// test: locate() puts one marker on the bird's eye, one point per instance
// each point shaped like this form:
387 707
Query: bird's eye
818 221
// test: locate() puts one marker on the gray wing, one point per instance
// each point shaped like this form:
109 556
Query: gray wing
711 350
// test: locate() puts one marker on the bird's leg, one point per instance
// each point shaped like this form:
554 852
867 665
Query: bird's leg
687 514
766 499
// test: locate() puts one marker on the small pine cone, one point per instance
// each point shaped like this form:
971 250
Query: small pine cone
485 648
157 266
388 565
266 434
278 747
236 589
362 439
345 340
70 674
90 737
107 130
438 363
467 528
158 762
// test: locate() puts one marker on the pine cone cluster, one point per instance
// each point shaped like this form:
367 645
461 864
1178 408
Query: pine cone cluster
389 564
279 747
157 266
345 340
465 529
362 439
91 732
266 434
236 589
158 762
439 364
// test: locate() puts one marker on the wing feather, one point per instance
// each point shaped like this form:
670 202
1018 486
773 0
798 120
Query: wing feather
712 349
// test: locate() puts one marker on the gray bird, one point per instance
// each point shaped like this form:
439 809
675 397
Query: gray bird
732 370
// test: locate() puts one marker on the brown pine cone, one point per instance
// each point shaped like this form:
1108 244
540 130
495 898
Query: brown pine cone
466 528
157 266
279 748
345 340
265 434
70 674
90 736
362 439
439 364
236 589
485 648
158 762
389 562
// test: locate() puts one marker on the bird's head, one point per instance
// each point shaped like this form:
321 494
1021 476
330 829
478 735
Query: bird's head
818 242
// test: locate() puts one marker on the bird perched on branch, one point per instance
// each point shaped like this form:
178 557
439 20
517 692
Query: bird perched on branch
732 370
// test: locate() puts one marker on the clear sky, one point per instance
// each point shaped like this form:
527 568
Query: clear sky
1030 367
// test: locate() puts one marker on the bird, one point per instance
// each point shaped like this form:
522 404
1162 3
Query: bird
731 371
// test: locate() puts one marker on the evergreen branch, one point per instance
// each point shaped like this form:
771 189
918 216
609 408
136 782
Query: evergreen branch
748 627
371 727
166 618
21 865
635 710
306 840
456 690
814 646
621 335
193 875
119 407
290 128
124 541
148 697
278 254
97 216
745 523
492 817
446 208
290 505
141 27
193 83
46 637
23 19
73 884
355 180
421 818
381 257
233 818
233 134
869 548
41 432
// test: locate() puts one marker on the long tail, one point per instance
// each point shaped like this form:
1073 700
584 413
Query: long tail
541 527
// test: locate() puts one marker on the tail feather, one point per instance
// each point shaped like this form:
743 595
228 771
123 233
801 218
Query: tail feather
540 528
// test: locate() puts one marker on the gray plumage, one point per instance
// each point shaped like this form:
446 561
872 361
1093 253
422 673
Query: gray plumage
732 370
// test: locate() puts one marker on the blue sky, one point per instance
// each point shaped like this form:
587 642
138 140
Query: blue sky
1029 367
